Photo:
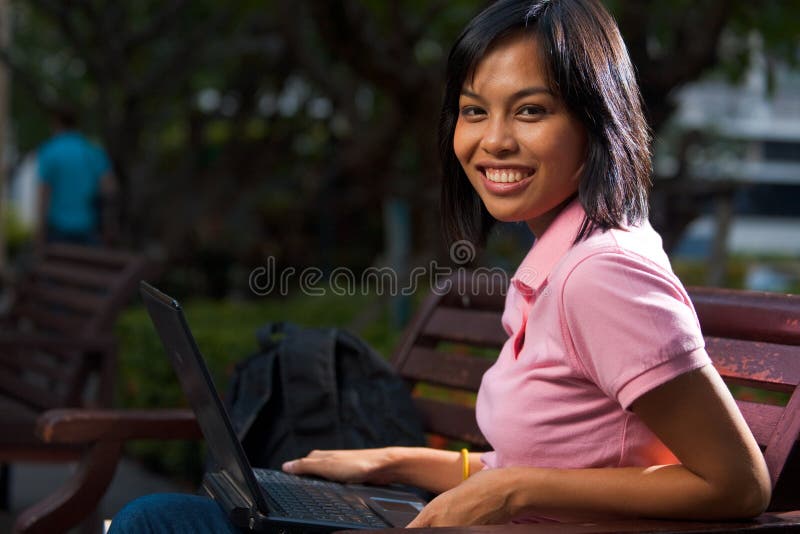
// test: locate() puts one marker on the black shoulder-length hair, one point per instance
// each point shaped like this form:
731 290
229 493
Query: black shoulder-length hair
589 69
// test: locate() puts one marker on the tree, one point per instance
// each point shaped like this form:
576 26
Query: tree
254 115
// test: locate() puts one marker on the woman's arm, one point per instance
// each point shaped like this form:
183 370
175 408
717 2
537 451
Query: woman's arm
430 469
722 472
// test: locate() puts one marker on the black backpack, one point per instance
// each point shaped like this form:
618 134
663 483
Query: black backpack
317 388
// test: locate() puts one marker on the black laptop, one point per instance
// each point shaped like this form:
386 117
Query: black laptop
264 499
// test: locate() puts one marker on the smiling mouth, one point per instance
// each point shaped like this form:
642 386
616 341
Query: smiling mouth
506 176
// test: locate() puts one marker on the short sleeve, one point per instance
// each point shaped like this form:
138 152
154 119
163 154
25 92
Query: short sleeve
630 324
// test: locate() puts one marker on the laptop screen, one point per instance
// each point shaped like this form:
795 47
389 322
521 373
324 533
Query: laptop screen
199 388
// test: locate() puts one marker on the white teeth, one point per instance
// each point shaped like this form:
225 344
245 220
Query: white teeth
504 176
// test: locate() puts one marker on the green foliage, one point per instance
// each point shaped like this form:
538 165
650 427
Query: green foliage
694 272
179 110
225 334
318 108
16 233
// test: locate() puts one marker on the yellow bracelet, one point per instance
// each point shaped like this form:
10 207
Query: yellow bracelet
464 464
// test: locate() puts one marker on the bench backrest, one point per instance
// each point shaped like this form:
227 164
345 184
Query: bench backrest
452 340
753 339
75 292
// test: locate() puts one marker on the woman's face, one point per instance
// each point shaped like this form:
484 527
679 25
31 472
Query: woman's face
520 148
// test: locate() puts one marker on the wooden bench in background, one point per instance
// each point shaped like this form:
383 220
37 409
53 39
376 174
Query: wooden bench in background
753 339
57 347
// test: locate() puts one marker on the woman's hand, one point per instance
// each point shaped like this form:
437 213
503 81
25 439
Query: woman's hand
482 499
429 469
355 466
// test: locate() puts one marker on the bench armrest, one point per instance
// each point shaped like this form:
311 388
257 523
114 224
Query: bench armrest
87 426
56 342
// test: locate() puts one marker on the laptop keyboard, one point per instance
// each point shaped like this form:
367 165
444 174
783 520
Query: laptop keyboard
308 498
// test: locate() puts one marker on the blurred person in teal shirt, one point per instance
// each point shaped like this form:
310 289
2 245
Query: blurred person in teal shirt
75 176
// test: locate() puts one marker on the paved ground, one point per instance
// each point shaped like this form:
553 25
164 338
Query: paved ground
30 482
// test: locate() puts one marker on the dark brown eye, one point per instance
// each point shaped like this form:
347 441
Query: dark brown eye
472 112
531 111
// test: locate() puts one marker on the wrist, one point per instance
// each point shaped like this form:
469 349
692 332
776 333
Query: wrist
518 489
389 467
402 465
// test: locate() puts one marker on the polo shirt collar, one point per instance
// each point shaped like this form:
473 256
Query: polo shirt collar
549 248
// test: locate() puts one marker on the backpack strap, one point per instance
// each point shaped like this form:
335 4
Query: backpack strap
307 365
250 390
252 385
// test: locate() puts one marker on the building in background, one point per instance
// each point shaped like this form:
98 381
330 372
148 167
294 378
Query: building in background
749 135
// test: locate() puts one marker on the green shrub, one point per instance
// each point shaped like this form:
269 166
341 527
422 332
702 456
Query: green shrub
694 272
17 233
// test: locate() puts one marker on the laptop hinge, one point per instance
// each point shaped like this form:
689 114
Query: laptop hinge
241 510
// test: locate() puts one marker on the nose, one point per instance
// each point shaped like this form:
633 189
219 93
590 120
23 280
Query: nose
498 138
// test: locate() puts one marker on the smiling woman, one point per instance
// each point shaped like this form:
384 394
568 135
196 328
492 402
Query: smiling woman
521 148
602 402
591 407
581 63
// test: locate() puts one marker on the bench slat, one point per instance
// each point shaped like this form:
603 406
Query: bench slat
89 255
759 316
76 276
768 365
480 328
761 418
488 302
43 378
36 397
52 367
784 440
445 368
477 290
61 322
450 420
68 298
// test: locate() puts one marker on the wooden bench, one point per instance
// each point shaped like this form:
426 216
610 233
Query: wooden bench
57 347
753 339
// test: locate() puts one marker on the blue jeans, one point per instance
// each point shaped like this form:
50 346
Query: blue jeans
176 513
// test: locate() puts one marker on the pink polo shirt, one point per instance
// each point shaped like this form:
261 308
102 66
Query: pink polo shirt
591 328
